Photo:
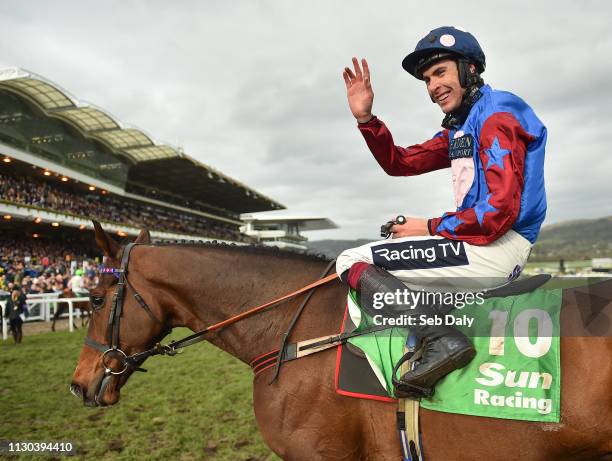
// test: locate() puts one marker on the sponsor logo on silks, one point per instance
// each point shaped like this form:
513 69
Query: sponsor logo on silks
461 147
419 254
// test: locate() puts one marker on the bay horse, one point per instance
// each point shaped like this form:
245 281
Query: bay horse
62 308
300 416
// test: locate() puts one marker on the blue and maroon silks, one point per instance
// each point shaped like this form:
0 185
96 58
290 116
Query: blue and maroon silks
497 161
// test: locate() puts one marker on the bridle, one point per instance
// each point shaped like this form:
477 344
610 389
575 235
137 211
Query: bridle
114 322
132 362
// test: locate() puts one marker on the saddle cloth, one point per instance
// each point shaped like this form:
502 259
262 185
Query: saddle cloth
515 374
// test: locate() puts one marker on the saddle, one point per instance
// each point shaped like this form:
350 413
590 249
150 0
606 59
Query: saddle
519 287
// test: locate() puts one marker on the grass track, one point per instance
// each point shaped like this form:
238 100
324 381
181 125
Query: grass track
195 406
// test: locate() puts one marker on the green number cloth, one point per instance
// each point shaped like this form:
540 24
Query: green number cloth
516 372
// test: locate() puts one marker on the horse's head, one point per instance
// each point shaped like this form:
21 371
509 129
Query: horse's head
102 369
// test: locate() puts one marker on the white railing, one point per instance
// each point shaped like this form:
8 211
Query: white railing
40 306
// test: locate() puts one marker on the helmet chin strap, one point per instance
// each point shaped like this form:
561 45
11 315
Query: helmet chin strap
468 75
458 116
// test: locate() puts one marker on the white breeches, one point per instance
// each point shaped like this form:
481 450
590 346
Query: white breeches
436 263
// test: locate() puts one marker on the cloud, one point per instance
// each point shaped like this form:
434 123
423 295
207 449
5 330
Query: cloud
255 89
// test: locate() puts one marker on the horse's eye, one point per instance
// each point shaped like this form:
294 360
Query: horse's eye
97 301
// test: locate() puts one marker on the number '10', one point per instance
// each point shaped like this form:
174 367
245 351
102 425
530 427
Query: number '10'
543 341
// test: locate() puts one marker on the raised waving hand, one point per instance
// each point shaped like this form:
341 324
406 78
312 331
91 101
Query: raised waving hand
359 90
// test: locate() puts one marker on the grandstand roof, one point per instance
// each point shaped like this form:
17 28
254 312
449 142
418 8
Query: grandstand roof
46 120
306 223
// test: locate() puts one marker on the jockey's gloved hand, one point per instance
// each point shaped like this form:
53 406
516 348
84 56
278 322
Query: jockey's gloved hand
385 229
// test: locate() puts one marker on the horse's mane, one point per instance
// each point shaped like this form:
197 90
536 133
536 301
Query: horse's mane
265 250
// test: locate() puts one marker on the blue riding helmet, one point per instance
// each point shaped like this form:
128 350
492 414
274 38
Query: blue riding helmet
444 43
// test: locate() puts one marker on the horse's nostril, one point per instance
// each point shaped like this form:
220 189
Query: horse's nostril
76 390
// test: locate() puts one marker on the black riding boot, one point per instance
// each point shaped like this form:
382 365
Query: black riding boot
445 348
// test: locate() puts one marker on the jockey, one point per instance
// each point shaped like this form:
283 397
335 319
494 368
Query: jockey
494 145
76 284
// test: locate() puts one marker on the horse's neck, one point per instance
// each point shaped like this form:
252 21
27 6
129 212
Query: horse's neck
214 284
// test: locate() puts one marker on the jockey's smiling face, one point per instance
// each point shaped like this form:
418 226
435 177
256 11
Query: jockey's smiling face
442 80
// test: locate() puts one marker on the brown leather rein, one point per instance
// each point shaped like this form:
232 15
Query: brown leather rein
133 361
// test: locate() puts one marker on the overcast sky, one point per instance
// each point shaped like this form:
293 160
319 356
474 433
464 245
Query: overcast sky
254 89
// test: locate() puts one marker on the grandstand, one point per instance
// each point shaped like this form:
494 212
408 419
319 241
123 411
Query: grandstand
63 162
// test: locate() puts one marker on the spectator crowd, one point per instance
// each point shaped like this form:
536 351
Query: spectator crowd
42 194
36 266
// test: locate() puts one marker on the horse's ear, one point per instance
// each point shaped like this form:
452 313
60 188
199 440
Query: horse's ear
144 237
105 241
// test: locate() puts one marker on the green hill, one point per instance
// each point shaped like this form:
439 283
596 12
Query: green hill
578 239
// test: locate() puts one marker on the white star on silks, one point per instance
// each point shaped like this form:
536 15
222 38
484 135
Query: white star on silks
482 207
496 154
449 224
